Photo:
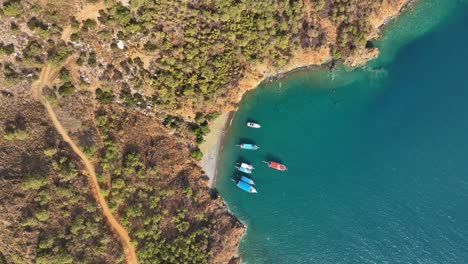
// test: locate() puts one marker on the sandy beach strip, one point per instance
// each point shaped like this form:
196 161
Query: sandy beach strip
212 146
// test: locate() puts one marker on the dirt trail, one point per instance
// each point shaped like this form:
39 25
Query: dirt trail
47 76
66 33
88 12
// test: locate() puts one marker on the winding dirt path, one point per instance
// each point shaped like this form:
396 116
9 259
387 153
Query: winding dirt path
47 76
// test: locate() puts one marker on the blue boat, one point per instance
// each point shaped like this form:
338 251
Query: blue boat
247 180
246 187
249 146
245 170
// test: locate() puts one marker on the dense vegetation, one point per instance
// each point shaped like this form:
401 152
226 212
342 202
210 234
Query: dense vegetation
156 201
202 46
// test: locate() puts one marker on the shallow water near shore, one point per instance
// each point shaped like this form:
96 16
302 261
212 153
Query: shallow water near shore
376 157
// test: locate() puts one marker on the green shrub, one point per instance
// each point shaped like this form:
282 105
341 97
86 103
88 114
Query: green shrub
104 97
58 55
33 50
212 116
74 37
89 150
29 221
197 154
12 9
89 23
8 49
42 215
16 135
49 152
34 182
64 75
66 89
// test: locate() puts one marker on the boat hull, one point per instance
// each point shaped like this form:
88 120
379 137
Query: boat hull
247 180
246 187
244 170
249 146
277 166
253 125
247 166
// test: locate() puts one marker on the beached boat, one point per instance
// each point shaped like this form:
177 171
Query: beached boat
247 180
276 165
246 187
253 125
247 166
249 146
245 170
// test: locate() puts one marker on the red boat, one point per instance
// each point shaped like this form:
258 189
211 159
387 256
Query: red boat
276 165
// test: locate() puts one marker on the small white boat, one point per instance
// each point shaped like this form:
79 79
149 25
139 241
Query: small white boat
253 125
247 166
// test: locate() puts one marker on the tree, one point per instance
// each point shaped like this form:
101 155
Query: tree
66 89
42 215
74 37
197 154
12 9
34 182
89 23
9 49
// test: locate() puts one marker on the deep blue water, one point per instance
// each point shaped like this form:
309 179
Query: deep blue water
377 157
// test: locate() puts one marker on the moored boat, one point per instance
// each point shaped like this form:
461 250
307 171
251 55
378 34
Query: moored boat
246 187
253 125
249 146
247 180
276 165
245 170
247 166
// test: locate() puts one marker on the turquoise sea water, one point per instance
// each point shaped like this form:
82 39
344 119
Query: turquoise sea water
377 157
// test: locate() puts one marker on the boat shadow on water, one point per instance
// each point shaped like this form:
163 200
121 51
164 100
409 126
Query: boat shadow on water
236 176
251 120
242 159
272 157
246 141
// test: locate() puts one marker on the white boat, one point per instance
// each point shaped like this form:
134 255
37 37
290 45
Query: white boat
252 124
247 166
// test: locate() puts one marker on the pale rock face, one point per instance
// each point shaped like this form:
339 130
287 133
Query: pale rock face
361 57
120 44
125 3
